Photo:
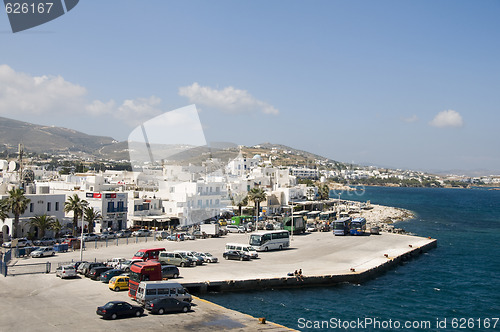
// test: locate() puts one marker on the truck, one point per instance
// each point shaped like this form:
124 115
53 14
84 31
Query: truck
212 230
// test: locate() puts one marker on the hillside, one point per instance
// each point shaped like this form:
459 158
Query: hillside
40 139
55 140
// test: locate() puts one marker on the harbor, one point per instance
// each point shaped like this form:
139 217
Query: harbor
325 260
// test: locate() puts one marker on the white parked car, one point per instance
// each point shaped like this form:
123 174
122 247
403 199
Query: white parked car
141 232
21 242
89 237
43 251
311 228
107 235
125 266
45 241
208 257
235 229
114 262
66 271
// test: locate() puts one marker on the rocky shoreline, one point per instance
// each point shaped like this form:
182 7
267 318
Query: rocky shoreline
385 217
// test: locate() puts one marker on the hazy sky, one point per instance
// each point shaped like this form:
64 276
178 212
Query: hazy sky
410 84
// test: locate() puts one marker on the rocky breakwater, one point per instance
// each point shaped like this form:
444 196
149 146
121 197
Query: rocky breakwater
384 217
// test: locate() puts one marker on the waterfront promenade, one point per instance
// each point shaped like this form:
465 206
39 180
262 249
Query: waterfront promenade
39 302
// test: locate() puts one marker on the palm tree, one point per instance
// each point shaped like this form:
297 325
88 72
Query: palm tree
56 227
324 192
241 204
91 215
4 210
4 215
77 205
43 223
16 203
257 195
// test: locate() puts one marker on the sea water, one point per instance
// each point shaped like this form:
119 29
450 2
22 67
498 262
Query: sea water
453 287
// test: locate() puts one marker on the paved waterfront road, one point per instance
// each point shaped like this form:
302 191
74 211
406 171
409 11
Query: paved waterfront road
47 303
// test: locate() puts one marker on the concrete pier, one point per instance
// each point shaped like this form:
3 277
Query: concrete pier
43 302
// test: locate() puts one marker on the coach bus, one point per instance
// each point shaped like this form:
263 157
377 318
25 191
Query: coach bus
143 271
342 226
299 224
264 241
358 226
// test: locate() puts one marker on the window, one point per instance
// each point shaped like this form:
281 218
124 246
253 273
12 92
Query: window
31 207
150 291
48 206
57 206
120 207
111 207
163 291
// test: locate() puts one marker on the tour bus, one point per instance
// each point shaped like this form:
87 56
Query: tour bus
342 226
358 226
313 216
327 215
143 271
264 241
148 254
299 224
240 220
244 248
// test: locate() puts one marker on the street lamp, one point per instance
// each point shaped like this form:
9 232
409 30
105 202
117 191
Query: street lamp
81 241
291 216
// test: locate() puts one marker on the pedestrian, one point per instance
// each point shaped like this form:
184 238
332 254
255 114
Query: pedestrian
299 274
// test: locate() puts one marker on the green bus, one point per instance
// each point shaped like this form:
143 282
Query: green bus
240 220
299 224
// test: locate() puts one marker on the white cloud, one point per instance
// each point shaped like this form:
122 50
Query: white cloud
449 118
229 99
24 94
98 107
411 119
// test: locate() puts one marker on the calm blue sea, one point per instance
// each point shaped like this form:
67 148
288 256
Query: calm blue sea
456 285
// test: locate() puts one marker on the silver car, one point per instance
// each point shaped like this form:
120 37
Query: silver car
66 271
208 257
43 251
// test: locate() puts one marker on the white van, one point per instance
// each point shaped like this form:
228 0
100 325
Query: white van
244 248
150 290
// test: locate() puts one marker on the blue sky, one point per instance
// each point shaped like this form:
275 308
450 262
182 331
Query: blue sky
409 84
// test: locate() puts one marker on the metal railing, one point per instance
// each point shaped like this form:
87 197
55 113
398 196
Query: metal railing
31 268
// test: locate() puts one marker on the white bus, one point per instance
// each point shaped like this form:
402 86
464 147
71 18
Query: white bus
264 241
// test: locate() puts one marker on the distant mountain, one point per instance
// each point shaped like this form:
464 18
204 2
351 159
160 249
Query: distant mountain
48 139
55 140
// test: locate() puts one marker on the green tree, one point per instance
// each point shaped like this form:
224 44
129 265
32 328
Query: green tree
257 195
77 205
4 210
91 215
43 223
324 192
56 227
241 204
16 204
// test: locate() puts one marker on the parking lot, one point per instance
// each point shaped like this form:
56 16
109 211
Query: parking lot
43 302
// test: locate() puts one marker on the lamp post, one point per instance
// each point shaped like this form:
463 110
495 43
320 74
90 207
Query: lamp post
291 216
81 241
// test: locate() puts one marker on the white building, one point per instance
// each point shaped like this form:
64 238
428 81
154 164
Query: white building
40 204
